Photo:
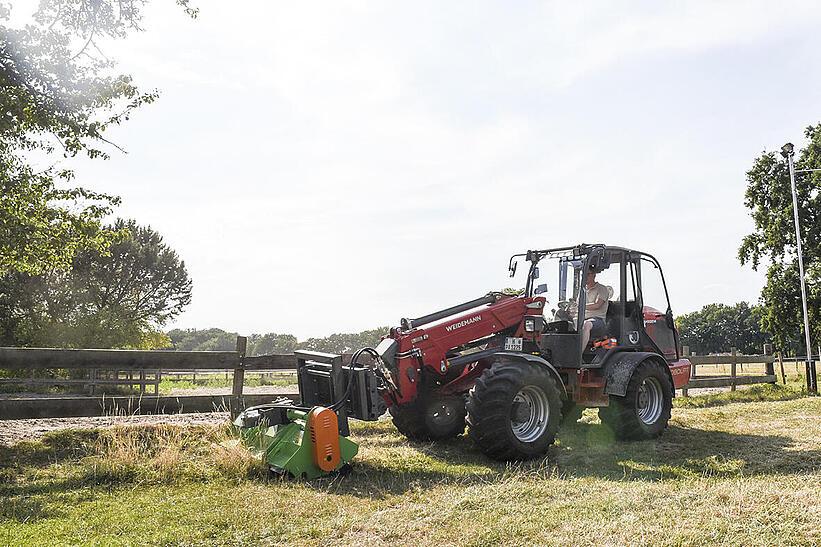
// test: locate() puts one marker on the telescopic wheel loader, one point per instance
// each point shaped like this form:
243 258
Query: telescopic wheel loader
496 364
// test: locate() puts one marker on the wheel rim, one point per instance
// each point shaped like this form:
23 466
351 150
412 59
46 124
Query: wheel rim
650 401
529 413
442 414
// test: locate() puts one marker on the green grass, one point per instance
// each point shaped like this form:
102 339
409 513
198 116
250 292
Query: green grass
167 384
754 393
741 474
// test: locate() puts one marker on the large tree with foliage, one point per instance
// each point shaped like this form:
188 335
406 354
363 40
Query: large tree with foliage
58 95
769 198
716 328
120 298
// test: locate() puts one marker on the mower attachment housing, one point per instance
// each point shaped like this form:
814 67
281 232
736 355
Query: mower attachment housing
304 445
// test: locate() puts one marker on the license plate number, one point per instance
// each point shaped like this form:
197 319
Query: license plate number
513 344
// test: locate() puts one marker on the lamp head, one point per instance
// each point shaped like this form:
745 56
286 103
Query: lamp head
787 150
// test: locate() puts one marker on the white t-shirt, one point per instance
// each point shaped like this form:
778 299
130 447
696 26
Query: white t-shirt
596 291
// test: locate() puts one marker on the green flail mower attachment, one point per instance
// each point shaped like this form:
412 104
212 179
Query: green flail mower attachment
294 445
310 439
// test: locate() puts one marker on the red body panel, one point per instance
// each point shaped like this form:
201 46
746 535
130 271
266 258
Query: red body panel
680 370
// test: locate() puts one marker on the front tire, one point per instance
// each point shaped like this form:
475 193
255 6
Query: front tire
514 410
644 411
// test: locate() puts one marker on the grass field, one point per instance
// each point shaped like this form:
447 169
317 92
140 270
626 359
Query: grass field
728 471
170 383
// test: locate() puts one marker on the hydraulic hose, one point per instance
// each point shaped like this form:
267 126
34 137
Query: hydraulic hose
338 404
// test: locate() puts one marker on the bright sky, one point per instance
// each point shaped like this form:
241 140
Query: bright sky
332 167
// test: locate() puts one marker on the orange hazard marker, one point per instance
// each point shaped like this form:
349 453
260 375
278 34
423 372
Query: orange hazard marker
607 343
324 428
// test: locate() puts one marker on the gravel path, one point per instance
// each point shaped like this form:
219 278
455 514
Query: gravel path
12 431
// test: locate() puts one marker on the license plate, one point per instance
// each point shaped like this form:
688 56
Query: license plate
513 344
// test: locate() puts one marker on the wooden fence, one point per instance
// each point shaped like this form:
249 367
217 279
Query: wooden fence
20 407
135 361
734 361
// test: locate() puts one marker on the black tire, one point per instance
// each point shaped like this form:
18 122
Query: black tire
445 416
504 390
644 411
571 412
431 419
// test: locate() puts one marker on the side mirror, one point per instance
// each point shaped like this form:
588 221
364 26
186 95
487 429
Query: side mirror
541 289
536 272
512 268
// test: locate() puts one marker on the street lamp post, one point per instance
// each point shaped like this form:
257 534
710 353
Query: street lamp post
812 385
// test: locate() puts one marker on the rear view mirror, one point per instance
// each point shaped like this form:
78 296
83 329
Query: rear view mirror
536 273
512 268
541 289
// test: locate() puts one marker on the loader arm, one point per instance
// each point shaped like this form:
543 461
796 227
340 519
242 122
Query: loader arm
423 354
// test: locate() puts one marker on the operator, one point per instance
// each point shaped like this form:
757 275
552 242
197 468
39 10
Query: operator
596 297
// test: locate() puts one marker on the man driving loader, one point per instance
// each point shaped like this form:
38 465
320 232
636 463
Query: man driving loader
595 310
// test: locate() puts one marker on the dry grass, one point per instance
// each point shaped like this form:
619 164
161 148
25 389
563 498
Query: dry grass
731 473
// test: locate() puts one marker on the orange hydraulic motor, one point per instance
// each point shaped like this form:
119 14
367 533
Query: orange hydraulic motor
324 428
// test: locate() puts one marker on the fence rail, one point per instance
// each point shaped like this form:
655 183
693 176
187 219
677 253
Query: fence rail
133 361
734 360
207 362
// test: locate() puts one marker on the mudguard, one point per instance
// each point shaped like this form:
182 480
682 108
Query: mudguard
533 359
619 369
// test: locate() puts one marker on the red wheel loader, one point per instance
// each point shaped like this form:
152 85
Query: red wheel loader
512 367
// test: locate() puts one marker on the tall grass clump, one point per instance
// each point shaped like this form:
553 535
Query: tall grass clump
165 453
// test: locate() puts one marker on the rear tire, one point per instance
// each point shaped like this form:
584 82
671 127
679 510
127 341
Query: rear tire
514 410
644 411
432 419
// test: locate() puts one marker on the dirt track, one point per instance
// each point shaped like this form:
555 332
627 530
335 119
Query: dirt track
12 431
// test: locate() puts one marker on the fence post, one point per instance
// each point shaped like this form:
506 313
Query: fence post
685 352
239 378
769 367
781 366
92 380
732 369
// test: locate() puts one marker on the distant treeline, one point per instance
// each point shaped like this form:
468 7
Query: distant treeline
264 344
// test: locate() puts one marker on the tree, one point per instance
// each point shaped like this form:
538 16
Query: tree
59 94
202 340
717 327
769 198
345 342
116 299
263 344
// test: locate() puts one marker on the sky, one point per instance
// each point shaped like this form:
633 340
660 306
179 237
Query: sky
333 167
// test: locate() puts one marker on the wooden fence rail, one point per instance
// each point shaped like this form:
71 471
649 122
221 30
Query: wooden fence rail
734 360
14 407
20 407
